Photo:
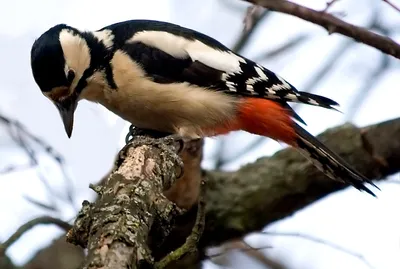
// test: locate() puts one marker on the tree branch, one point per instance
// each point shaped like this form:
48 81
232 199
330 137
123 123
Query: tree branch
392 5
29 225
333 25
131 208
275 187
116 228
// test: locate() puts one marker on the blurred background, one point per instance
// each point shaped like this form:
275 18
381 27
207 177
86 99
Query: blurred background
44 172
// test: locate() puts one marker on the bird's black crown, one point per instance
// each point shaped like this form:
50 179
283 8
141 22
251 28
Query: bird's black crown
47 59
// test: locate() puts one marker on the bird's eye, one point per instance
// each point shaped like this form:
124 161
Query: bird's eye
70 76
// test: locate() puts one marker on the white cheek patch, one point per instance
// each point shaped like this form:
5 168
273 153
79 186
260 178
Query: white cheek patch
182 48
106 37
76 53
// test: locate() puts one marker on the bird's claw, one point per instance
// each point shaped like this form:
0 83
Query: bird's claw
135 131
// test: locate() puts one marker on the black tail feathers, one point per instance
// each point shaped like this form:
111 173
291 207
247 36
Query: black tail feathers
329 162
317 100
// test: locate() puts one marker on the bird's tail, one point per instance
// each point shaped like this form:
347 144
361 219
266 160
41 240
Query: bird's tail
329 162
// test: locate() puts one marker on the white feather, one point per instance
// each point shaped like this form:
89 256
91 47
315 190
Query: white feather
106 37
180 47
261 73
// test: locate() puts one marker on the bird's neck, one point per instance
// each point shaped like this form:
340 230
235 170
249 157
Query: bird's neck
96 88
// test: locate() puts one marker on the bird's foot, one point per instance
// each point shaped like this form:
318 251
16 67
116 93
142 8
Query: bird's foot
135 131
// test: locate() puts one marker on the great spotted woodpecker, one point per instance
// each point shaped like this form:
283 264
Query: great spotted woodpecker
164 77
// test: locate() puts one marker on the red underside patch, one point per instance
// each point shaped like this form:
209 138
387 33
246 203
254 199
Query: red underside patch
262 117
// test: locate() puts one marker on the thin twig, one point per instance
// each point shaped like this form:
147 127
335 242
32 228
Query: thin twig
245 36
21 136
323 242
333 25
291 43
241 249
392 5
253 13
329 4
369 83
29 225
192 240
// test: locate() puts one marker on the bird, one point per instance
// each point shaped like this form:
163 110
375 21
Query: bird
165 77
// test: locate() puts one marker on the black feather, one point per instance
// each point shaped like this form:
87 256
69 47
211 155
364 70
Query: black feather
329 162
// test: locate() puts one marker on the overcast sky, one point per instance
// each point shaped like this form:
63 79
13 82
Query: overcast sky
347 218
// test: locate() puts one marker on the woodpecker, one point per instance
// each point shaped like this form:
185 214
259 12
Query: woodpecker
168 78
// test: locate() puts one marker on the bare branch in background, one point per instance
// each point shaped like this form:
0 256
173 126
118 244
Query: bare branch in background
233 247
333 25
245 36
368 85
23 138
290 44
29 225
392 5
323 242
221 257
41 205
253 13
329 4
373 78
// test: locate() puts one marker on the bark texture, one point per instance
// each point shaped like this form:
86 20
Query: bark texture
275 187
117 226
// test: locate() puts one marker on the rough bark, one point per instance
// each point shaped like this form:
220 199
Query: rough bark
237 203
115 228
275 187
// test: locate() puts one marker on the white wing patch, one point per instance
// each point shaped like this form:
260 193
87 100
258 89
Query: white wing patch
106 37
231 85
180 47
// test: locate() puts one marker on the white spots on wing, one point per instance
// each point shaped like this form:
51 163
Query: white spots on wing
261 76
106 37
284 85
261 73
277 87
291 96
76 53
271 91
182 48
312 102
231 86
273 96
252 81
225 76
250 88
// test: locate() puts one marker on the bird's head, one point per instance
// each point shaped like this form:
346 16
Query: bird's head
60 58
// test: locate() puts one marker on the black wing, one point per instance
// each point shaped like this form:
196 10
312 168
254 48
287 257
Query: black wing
201 65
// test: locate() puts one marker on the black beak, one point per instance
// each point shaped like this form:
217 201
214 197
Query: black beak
67 110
